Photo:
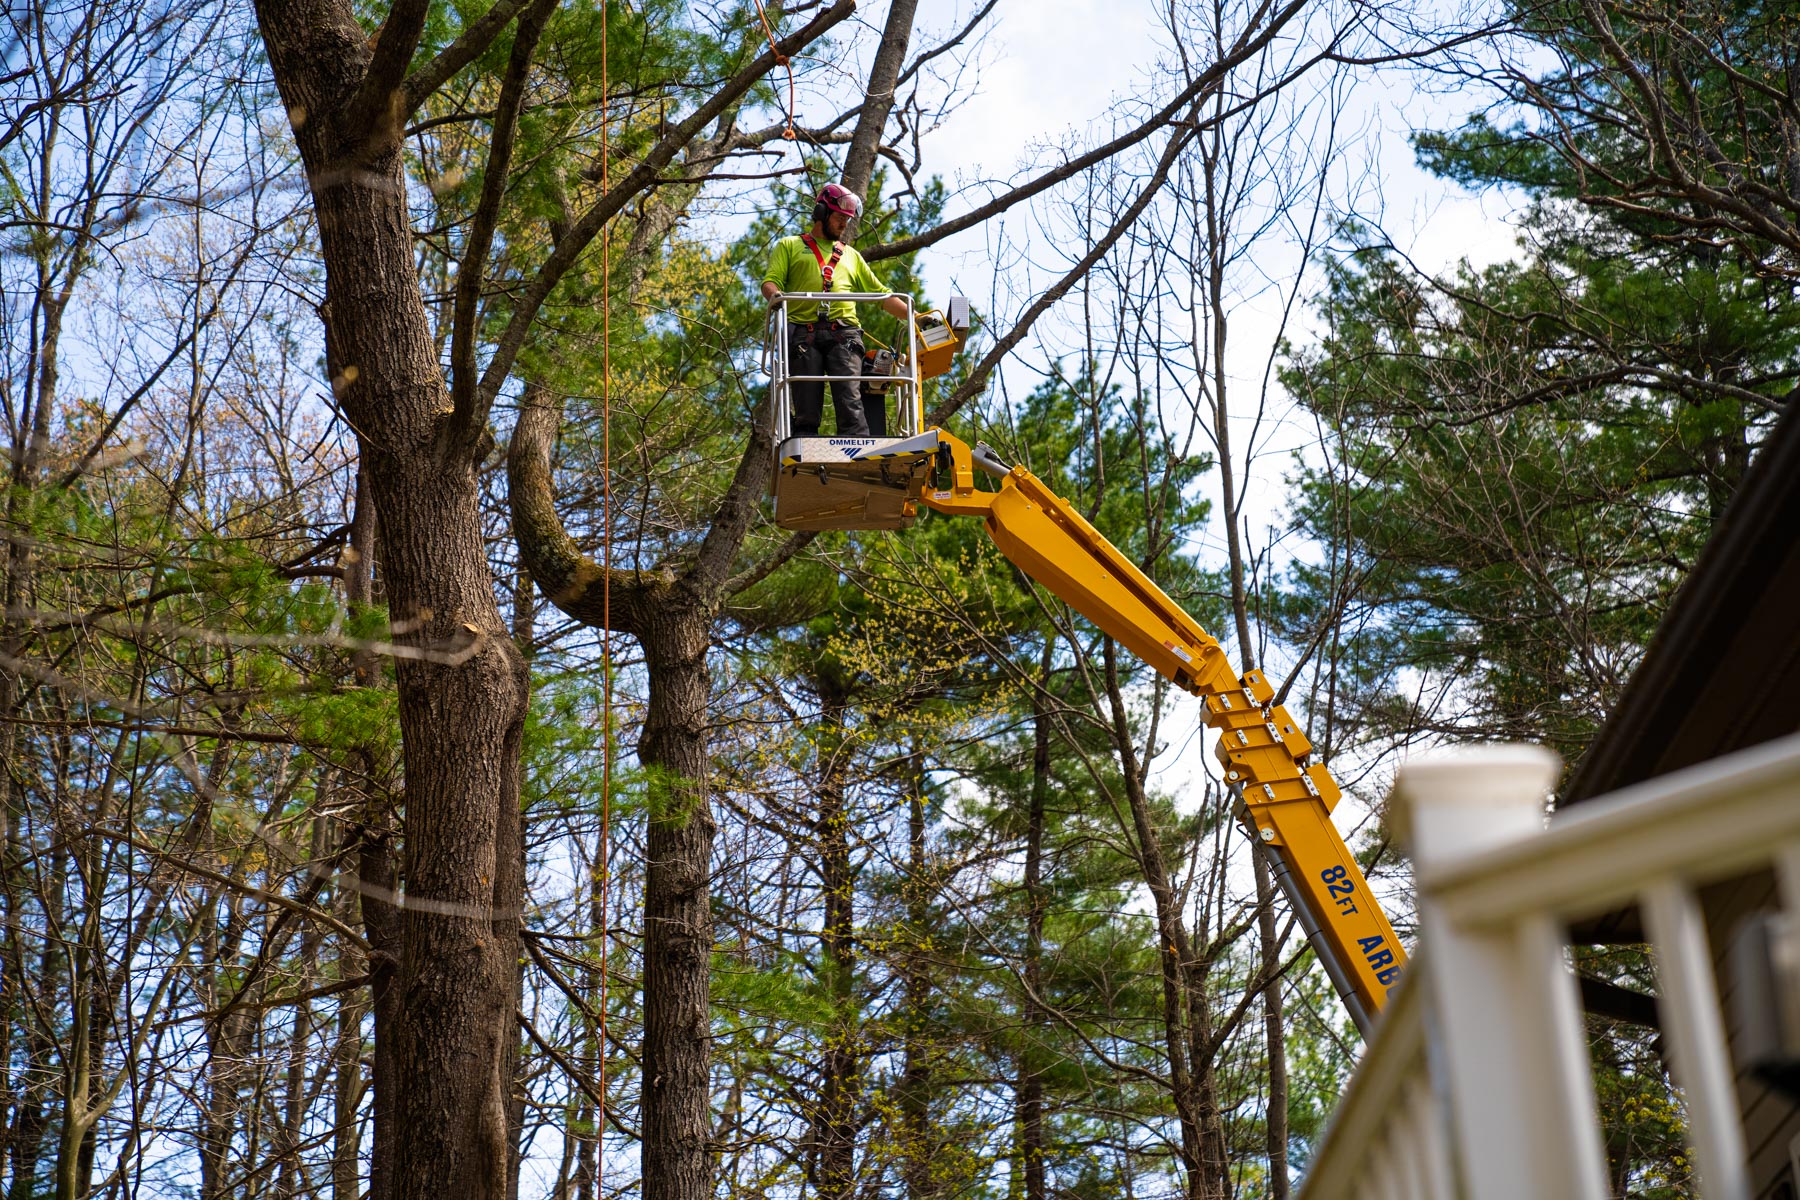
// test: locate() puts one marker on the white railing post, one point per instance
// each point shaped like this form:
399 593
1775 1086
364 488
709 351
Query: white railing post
1695 1030
1506 1039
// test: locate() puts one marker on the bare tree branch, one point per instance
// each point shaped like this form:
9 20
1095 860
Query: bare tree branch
978 377
1241 51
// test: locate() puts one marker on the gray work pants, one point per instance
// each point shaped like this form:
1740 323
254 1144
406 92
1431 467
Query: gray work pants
827 348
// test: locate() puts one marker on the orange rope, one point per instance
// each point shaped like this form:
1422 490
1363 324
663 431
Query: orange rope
782 61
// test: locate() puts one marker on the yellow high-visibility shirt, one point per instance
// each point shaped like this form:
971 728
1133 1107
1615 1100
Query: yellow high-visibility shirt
792 268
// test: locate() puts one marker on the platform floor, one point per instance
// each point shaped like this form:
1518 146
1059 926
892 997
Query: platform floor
850 483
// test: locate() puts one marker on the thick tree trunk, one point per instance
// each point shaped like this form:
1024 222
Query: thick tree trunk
461 724
462 701
672 620
678 940
878 97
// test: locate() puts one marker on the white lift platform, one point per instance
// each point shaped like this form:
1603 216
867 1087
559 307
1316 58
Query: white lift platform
825 483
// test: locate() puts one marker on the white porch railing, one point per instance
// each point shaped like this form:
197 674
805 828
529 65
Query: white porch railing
1477 1081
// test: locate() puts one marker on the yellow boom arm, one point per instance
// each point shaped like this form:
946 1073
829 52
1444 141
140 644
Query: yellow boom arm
1287 801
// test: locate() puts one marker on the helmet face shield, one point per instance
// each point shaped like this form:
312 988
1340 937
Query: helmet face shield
839 199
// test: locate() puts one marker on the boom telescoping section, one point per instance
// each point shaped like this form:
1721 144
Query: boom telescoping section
1286 800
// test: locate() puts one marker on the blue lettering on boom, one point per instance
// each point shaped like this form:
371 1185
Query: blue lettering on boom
1378 957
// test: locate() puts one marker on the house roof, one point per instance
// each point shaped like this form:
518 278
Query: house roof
1722 672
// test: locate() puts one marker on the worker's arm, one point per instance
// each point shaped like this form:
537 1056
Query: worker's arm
774 280
1286 799
864 279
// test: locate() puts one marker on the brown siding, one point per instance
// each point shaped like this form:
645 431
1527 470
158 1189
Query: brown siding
1771 1120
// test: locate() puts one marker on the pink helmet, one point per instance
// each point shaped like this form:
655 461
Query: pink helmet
840 199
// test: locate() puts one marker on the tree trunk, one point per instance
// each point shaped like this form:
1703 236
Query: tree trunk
678 940
878 98
672 620
916 1143
289 1180
1185 1034
25 1121
1030 1088
834 1116
347 1092
31 1119
1274 1032
227 1051
379 878
1274 1029
462 703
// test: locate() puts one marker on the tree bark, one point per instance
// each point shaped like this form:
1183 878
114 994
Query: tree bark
916 1074
462 702
1274 1028
1030 1086
678 938
1187 1033
878 98
834 1123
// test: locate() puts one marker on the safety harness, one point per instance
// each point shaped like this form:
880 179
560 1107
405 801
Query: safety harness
826 266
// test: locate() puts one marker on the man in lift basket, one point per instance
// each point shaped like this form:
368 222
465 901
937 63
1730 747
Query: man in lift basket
830 342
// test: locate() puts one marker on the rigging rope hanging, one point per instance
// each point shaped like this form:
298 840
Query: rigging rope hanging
781 60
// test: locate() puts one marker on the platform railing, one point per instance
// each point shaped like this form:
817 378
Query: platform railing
1477 1082
775 363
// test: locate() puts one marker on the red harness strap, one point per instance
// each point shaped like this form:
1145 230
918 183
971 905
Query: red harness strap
826 266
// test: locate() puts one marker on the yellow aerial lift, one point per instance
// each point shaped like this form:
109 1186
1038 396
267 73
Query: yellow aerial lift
1285 799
